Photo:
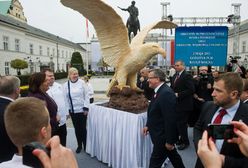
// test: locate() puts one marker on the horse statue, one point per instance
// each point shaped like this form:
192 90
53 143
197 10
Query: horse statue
132 24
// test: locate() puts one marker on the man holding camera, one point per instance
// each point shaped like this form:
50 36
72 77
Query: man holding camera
203 90
27 120
226 107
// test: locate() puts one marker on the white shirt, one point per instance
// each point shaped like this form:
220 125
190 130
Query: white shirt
172 72
225 120
79 95
56 93
15 162
156 89
8 98
90 90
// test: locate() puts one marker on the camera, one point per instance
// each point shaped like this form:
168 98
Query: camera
31 160
221 131
204 77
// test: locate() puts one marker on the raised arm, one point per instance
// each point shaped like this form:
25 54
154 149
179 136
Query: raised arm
122 8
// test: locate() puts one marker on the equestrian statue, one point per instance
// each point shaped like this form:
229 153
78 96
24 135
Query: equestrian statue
133 24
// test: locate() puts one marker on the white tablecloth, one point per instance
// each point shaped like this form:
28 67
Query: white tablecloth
115 137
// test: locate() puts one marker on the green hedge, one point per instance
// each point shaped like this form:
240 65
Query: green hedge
25 78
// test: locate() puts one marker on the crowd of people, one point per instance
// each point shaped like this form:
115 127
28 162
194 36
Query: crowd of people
207 98
41 117
197 101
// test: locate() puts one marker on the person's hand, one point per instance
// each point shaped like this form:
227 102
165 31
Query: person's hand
60 157
85 113
169 147
141 79
145 131
58 118
201 99
209 86
208 152
241 130
176 94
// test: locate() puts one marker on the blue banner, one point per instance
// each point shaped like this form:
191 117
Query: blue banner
201 46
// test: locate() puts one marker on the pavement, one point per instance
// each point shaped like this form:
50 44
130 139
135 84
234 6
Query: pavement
84 160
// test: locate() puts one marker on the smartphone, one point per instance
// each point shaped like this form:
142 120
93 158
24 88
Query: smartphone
221 131
31 160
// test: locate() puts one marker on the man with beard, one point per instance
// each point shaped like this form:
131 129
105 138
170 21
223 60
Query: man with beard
226 107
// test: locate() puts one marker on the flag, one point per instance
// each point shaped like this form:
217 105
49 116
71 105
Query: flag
87 28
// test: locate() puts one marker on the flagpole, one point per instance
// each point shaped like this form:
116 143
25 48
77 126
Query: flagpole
87 47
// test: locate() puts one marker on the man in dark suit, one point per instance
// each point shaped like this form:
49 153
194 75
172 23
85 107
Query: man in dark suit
183 86
161 122
144 84
9 91
226 97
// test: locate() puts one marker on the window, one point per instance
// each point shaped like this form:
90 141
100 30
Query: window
6 68
5 43
53 51
17 45
48 51
243 46
66 54
31 48
62 53
41 51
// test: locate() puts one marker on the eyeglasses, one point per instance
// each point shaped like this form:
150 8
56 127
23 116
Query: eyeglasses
152 77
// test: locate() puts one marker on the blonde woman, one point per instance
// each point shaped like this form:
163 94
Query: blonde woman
77 99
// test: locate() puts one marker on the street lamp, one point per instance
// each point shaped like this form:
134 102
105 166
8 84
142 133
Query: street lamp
57 45
38 63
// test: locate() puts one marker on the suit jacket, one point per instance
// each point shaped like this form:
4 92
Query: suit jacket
161 120
234 158
185 88
7 148
148 92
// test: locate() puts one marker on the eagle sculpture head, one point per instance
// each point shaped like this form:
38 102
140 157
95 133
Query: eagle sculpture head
127 59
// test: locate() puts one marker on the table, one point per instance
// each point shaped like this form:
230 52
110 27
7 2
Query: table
115 137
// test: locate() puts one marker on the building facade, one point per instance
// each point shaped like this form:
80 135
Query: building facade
38 48
243 43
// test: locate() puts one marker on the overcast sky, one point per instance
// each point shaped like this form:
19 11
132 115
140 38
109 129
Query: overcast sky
53 17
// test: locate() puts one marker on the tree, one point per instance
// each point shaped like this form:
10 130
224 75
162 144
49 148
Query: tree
18 64
77 62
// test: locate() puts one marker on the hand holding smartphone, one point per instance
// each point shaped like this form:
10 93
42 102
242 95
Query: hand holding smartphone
221 131
31 160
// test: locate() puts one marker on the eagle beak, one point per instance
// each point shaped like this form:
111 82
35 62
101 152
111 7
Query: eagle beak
162 52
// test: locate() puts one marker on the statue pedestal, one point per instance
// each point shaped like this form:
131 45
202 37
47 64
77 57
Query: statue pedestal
129 100
115 137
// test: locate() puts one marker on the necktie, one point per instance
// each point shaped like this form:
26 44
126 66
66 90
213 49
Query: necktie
219 117
176 78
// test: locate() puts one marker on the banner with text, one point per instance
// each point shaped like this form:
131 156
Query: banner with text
201 46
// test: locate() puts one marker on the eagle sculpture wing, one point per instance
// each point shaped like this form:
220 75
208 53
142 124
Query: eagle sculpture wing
140 37
109 27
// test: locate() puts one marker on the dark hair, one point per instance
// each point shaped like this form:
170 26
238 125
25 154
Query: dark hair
245 83
232 81
47 69
35 81
159 73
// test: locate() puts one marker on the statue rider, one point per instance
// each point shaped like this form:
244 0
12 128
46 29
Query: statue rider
134 12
